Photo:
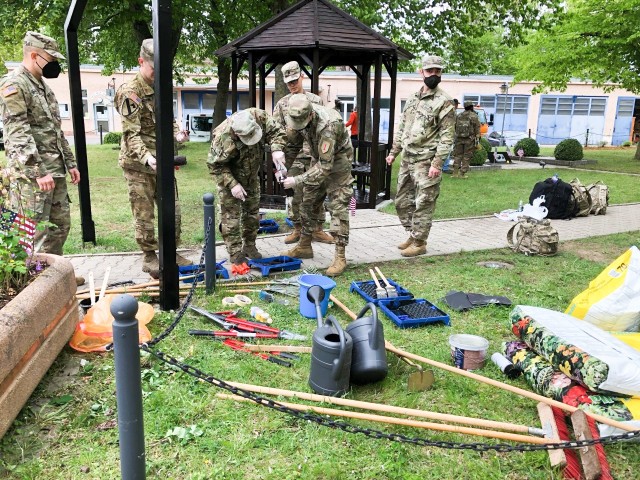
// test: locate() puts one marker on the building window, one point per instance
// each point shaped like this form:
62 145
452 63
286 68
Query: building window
64 110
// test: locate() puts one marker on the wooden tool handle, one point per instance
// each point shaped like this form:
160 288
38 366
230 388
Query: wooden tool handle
375 279
382 276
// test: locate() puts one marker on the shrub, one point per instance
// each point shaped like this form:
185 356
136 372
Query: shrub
626 144
529 146
480 156
485 144
569 150
112 137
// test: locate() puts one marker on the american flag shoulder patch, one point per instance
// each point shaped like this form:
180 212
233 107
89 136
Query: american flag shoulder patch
135 97
10 90
26 227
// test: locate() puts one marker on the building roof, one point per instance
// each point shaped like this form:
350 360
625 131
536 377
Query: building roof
314 24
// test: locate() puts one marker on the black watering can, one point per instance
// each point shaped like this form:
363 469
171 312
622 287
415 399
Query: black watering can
369 362
330 352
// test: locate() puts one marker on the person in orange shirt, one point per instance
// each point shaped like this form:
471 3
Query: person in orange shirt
353 123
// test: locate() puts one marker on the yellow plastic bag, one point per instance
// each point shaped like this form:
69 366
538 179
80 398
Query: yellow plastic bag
612 300
95 330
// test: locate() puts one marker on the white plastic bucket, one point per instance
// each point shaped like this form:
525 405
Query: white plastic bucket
468 352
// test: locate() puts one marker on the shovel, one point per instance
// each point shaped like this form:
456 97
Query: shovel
391 290
418 381
380 292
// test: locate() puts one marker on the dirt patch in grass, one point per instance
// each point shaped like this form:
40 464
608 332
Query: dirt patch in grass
595 253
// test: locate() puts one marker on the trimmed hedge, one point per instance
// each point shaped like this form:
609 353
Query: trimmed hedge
529 146
112 137
568 150
481 155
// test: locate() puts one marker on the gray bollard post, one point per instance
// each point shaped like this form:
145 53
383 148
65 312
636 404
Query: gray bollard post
128 387
210 252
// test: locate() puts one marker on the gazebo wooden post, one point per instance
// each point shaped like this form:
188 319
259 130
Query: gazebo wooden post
252 79
263 85
374 184
393 74
315 71
234 83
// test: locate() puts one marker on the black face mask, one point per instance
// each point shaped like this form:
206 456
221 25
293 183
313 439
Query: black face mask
51 69
432 81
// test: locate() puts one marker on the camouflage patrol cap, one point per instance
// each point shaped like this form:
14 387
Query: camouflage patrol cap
146 50
432 61
245 126
468 104
299 113
291 71
38 40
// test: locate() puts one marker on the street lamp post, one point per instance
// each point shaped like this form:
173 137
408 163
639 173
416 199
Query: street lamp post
504 90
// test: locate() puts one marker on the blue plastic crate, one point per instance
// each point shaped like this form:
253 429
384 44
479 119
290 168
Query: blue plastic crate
367 290
268 226
187 270
413 312
278 264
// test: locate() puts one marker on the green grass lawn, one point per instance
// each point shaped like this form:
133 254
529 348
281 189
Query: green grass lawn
610 159
67 427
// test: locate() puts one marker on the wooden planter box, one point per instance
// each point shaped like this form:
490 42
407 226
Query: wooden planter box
34 328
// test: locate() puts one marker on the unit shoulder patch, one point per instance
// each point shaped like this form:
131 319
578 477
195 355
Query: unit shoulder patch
130 104
325 146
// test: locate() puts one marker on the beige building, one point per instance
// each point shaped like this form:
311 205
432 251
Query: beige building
582 111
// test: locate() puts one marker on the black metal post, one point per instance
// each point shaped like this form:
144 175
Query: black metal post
128 387
210 241
100 132
586 138
166 191
74 16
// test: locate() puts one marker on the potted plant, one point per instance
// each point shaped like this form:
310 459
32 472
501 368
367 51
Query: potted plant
38 314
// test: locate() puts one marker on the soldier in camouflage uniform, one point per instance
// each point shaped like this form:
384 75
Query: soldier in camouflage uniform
330 143
467 138
235 158
135 102
39 156
300 164
424 137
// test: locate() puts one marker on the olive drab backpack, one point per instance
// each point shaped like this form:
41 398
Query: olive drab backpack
463 126
533 237
582 198
599 194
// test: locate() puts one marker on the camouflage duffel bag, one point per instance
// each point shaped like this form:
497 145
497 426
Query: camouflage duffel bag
533 237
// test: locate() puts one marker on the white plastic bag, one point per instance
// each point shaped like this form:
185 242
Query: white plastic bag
536 210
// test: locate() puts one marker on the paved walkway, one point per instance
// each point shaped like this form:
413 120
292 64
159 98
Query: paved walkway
373 239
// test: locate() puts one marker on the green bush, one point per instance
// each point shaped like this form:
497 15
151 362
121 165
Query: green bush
485 144
529 146
480 156
112 137
569 150
626 144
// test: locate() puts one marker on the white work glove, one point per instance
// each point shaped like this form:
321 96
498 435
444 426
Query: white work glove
239 192
278 159
289 182
151 162
182 137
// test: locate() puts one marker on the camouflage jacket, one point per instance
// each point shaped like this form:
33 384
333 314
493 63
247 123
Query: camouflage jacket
34 142
473 121
231 162
135 102
329 141
426 130
281 109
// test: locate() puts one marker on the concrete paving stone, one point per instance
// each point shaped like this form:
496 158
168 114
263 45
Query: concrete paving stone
373 239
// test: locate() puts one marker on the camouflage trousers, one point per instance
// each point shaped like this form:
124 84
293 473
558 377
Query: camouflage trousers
51 206
298 167
143 198
416 198
463 153
239 221
339 192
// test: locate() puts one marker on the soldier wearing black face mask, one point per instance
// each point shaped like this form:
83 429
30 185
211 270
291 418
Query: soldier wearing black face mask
39 156
424 138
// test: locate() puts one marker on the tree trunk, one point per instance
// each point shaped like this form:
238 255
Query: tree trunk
637 155
222 95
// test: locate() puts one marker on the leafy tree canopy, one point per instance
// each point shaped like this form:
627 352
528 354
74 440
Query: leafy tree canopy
596 40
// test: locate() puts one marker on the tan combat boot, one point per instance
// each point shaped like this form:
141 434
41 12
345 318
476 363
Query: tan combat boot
418 247
294 236
464 175
251 251
150 264
302 249
456 171
407 243
339 262
321 236
182 261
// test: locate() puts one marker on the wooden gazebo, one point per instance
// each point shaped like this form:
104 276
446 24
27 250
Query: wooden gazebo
317 34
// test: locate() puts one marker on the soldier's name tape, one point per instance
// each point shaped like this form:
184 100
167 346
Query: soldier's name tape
239 300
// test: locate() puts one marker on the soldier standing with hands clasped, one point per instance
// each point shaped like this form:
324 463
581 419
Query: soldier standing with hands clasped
235 158
424 138
135 102
467 138
39 156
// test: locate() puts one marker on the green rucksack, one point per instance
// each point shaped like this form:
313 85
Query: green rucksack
599 194
533 237
463 126
582 198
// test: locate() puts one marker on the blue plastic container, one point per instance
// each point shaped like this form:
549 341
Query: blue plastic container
307 307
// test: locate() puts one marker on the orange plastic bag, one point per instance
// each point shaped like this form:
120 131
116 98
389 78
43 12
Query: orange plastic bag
95 330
